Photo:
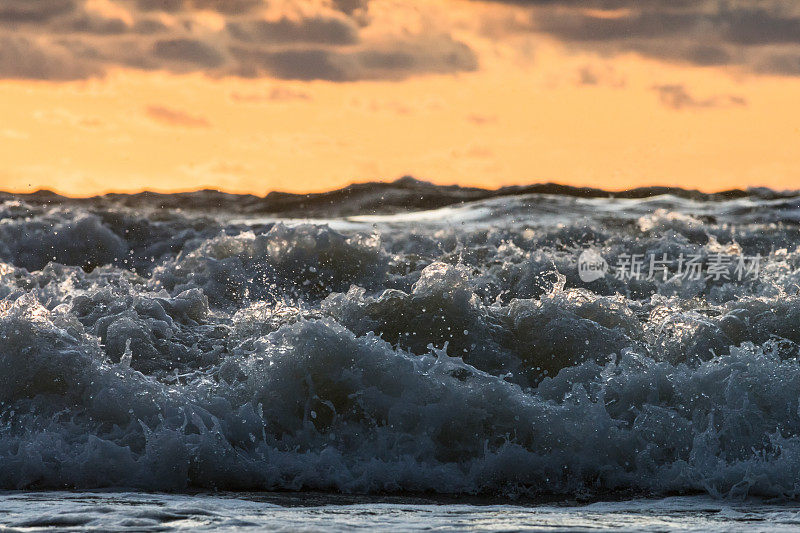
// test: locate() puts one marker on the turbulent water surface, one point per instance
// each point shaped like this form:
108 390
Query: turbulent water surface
135 511
171 344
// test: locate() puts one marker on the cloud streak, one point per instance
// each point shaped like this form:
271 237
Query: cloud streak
676 96
175 117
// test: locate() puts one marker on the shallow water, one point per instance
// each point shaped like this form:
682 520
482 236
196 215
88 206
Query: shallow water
457 350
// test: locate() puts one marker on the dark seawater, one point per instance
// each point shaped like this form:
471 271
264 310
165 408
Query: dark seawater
344 343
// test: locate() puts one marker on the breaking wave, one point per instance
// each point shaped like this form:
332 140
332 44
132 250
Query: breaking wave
161 345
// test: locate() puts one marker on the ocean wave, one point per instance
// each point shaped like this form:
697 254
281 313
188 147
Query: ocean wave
152 343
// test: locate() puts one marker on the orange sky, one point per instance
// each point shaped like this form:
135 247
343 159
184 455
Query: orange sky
523 116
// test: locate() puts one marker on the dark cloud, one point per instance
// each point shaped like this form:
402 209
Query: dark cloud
579 26
782 63
33 11
334 39
350 6
312 64
22 58
433 55
90 23
706 55
678 97
321 30
231 7
175 117
191 51
759 26
308 40
442 55
148 26
745 33
722 23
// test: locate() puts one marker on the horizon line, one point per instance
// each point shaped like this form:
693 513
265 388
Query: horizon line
547 187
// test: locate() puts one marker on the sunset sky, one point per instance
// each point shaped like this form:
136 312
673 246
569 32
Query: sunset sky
310 95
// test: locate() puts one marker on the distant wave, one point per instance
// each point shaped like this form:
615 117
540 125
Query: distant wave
376 197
